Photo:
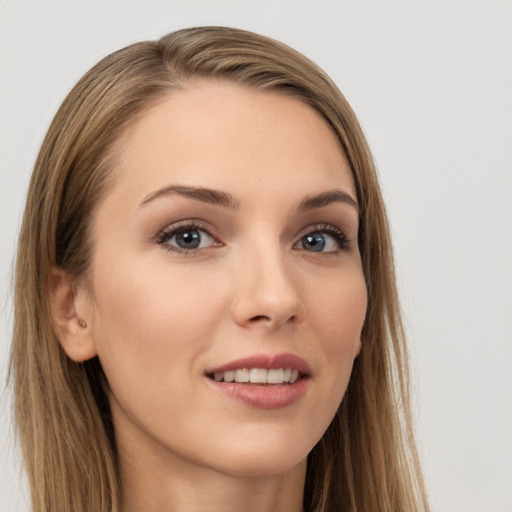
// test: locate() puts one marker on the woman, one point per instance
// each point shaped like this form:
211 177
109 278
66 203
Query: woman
206 314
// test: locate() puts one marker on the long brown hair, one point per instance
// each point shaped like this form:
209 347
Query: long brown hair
367 459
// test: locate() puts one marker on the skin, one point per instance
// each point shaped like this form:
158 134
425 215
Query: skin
158 317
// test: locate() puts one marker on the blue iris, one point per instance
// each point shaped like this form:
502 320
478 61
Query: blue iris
314 242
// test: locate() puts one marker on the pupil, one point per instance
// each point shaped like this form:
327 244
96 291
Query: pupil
188 239
315 242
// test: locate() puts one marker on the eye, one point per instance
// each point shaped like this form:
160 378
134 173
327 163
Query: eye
191 239
185 238
323 240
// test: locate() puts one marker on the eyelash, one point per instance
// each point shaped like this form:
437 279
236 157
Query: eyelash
196 225
339 237
180 227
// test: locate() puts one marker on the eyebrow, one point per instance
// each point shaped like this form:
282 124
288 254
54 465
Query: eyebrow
206 195
326 198
219 198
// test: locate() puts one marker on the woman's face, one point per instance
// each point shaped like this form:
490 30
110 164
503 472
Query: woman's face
226 251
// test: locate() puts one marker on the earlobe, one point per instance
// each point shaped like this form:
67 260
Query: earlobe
70 327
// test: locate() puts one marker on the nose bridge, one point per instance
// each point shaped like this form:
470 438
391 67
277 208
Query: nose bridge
266 290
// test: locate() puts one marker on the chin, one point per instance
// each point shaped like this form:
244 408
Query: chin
263 457
261 467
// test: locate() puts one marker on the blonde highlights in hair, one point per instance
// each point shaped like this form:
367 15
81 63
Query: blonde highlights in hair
367 459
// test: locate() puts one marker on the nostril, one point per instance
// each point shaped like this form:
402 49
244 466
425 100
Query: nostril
259 318
270 321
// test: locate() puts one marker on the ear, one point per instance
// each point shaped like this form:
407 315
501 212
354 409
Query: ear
69 317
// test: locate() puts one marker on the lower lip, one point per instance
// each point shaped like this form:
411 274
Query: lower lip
263 397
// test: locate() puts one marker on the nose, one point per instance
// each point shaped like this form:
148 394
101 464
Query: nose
267 291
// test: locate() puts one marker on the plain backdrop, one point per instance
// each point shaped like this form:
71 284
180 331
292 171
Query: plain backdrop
431 82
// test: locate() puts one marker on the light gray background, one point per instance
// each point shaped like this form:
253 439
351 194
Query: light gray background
431 82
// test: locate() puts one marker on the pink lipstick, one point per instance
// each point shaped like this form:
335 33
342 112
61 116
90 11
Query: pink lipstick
263 381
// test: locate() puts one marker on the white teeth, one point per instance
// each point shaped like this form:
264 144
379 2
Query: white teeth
259 376
275 376
242 375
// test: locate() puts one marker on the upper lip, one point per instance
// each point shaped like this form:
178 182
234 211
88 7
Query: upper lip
267 362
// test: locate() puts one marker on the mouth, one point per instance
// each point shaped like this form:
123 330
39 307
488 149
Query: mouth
263 381
259 376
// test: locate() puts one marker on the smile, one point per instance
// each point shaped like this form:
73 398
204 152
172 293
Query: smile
262 381
275 376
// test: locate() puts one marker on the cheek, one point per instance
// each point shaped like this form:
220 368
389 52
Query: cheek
147 321
338 315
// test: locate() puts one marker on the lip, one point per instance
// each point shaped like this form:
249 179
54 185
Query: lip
264 396
266 361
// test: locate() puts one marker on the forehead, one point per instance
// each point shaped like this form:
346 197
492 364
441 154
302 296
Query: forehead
227 136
